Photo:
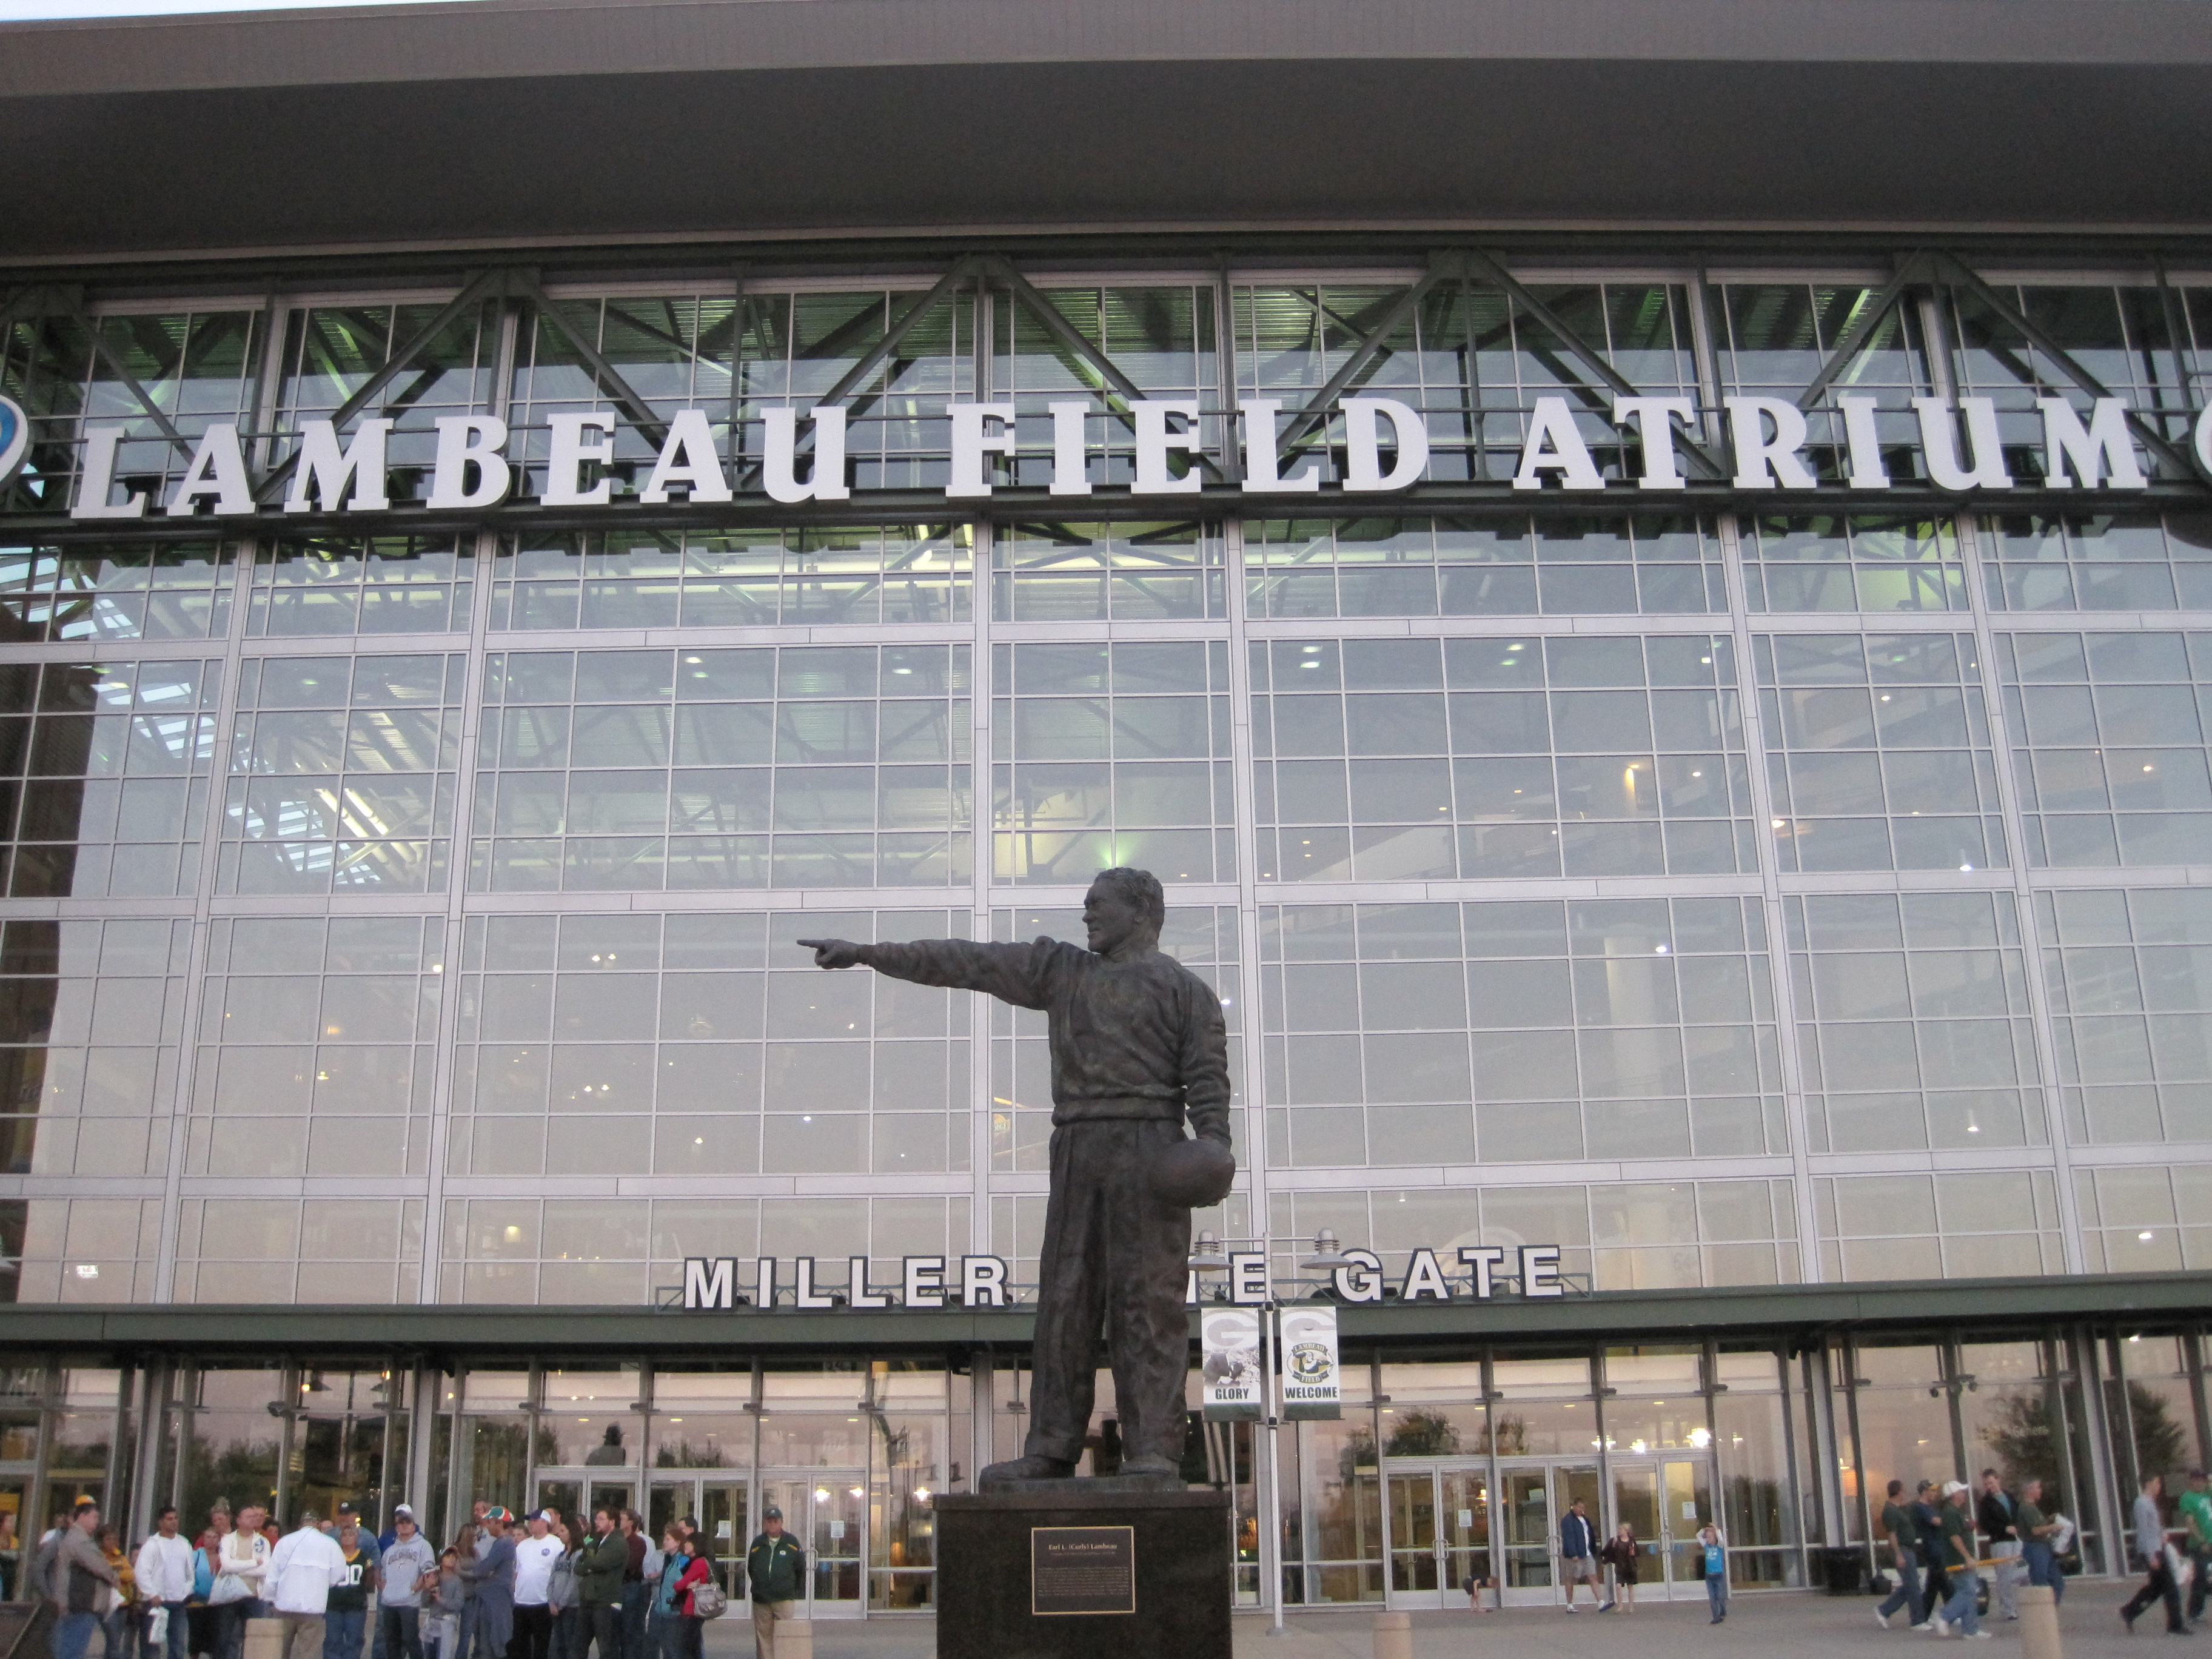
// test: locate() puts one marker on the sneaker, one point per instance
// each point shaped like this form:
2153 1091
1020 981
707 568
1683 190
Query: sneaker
1881 1618
1977 1635
1940 1626
1923 1625
1571 1607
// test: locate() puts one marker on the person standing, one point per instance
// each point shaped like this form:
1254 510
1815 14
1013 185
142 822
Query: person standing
536 1554
1905 1549
491 1575
346 1620
1619 1554
2150 1550
1712 1561
69 1572
1961 1558
403 1572
601 1560
775 1569
1928 1516
165 1584
241 1566
2197 1517
1578 1552
2035 1530
687 1570
637 1594
304 1568
1993 1517
121 1622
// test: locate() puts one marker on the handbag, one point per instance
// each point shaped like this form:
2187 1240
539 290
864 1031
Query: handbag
708 1600
229 1587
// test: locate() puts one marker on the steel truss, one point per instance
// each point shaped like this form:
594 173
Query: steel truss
1923 273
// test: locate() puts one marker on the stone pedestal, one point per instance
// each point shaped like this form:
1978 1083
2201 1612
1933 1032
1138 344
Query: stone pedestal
1003 1555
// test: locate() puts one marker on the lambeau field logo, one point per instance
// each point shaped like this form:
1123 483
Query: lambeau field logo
15 437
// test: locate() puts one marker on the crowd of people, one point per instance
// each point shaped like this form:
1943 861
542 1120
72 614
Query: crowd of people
1936 1539
539 1589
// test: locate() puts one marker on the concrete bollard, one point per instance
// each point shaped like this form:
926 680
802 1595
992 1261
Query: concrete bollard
794 1638
2038 1622
1393 1635
265 1639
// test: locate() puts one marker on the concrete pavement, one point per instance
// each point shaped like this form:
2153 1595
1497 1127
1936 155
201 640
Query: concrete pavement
1810 1625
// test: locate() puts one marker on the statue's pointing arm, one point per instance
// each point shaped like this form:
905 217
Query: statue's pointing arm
1206 1065
1012 973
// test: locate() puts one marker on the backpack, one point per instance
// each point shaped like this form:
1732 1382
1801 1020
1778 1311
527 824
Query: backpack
708 1600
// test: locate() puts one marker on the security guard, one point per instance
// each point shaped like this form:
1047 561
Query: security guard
774 1566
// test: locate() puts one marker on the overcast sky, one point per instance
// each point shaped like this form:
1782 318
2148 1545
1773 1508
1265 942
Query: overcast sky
19 10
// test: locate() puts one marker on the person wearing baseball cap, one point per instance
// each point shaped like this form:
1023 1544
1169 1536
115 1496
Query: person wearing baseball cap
1961 1558
776 1570
492 1573
404 1564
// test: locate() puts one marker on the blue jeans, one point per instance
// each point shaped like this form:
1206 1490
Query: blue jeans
342 1631
1907 1593
637 1600
73 1634
122 1629
1965 1590
398 1632
2042 1569
1716 1595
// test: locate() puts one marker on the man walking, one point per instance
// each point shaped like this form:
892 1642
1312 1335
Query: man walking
2150 1551
70 1570
1960 1557
2197 1517
2035 1530
400 1574
164 1571
1137 1044
1578 1552
1928 1516
304 1568
1993 1517
1905 1549
774 1566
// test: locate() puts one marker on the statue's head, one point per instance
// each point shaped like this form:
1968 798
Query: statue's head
1124 909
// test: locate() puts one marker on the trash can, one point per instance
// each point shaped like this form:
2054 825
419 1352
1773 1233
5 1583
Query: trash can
1843 1569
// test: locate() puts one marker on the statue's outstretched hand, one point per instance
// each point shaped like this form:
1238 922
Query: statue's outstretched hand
833 953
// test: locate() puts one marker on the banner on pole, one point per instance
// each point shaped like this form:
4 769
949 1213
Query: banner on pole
1312 1386
1232 1381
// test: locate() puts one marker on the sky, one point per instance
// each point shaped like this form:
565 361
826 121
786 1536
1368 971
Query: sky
26 10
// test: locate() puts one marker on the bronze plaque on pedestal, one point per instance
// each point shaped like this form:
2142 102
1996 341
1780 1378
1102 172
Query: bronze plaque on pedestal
1083 1570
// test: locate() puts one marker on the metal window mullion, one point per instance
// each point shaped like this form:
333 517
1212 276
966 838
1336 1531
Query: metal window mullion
982 795
1244 790
275 318
2041 1022
1796 1114
439 1128
215 817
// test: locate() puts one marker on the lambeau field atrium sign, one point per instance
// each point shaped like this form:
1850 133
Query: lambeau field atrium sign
1384 447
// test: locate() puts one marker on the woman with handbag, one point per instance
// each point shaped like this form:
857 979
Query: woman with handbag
681 1575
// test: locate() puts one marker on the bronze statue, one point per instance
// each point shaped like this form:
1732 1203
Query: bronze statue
1137 1043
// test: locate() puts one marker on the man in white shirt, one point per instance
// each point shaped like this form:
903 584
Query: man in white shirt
303 1568
534 1556
165 1580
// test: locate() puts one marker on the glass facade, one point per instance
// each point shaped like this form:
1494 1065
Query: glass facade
1730 897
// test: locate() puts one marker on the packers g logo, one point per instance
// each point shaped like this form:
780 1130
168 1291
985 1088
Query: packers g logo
15 437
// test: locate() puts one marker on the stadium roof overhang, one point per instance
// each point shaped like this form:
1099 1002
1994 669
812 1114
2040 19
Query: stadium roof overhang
561 121
1788 1314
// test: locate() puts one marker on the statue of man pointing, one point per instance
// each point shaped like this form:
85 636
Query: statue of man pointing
1137 1044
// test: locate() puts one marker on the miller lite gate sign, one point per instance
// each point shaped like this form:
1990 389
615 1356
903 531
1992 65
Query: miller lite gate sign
714 1285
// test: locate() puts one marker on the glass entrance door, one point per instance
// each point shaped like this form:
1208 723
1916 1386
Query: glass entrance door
1533 1497
578 1494
1666 1501
828 1510
1439 1529
718 1504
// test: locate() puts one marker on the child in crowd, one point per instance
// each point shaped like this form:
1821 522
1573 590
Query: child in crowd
441 1621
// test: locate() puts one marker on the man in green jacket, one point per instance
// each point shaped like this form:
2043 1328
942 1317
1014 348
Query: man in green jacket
773 1568
601 1559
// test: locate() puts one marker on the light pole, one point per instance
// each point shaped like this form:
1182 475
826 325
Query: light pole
1206 1256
